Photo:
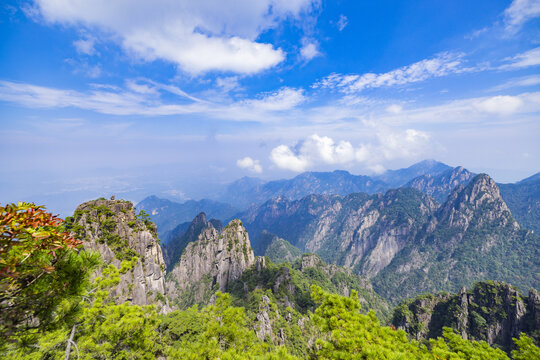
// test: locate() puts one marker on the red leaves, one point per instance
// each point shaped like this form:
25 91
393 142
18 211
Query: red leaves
30 240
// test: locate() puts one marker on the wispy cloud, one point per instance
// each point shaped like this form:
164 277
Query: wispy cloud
197 36
519 12
441 65
342 22
285 98
523 60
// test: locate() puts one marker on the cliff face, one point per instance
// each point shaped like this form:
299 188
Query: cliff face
490 311
127 241
357 231
212 262
471 237
176 245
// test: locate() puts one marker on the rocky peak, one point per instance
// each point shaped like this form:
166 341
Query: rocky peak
126 241
481 201
176 245
439 186
212 262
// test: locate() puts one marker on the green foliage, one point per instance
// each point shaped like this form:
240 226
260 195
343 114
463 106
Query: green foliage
526 349
101 329
218 331
41 272
281 251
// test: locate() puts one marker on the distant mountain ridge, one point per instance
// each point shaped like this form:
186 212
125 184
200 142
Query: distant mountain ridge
404 240
246 192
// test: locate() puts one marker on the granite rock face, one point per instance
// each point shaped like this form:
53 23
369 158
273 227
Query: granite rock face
491 311
126 241
212 262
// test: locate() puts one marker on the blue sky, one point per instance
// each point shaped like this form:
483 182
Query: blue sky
175 97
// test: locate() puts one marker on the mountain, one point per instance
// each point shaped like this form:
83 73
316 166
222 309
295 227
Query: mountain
404 240
523 199
440 185
126 241
215 258
338 182
471 237
281 250
180 238
168 214
398 178
491 311
359 231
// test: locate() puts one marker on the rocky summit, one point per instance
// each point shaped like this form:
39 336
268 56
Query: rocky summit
214 260
126 241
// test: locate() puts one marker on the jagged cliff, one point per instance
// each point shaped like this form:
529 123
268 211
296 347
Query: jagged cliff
357 231
127 241
210 263
471 237
180 239
491 311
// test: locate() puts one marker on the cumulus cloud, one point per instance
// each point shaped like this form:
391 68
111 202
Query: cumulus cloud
316 150
442 65
199 36
519 12
249 164
309 49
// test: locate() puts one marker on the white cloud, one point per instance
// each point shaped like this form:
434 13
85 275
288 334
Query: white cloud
85 46
500 105
526 59
316 150
284 158
199 36
519 12
285 98
309 49
249 164
394 109
524 81
342 22
228 84
442 65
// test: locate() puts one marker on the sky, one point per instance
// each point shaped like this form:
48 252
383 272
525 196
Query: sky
177 97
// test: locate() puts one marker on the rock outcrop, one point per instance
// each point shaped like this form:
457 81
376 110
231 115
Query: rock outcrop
126 241
211 263
491 311
176 245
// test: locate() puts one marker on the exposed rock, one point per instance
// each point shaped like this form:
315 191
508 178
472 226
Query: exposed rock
471 237
111 228
491 311
213 261
176 245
